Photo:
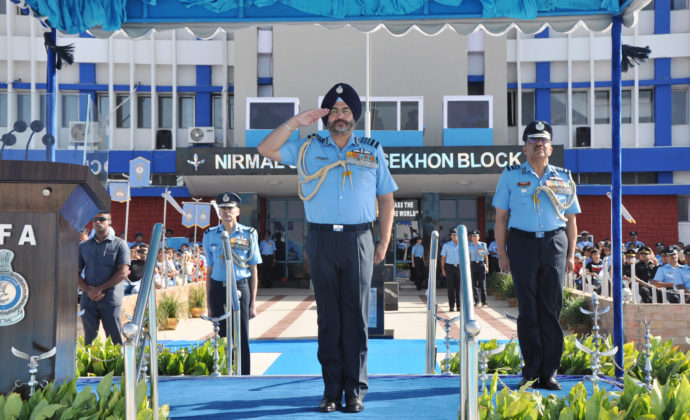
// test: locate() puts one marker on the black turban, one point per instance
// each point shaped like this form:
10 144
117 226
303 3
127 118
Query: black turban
348 94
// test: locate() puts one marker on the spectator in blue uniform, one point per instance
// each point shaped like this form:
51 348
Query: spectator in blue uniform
450 268
418 263
341 177
479 266
244 246
536 206
585 242
268 250
669 274
633 241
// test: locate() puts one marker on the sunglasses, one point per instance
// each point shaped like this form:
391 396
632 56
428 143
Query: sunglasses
535 140
100 219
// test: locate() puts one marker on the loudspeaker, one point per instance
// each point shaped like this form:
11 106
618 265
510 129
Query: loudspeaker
582 137
164 139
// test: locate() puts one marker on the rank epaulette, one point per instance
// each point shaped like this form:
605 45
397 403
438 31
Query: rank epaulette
558 168
369 141
510 168
316 136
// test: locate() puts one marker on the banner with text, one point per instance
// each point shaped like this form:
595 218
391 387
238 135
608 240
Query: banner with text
401 160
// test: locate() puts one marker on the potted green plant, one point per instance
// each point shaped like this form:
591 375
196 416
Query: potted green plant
572 318
168 311
507 290
196 301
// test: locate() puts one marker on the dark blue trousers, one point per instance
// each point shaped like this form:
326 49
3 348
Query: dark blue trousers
217 308
107 310
538 269
341 265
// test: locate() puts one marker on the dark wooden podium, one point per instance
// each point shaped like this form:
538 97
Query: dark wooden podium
42 207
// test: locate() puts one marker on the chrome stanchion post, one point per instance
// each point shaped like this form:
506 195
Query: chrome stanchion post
216 339
469 330
130 331
232 328
431 307
447 324
648 355
153 351
595 354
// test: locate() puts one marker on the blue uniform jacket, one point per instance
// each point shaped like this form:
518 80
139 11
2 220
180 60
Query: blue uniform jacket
477 252
515 190
451 251
342 198
244 243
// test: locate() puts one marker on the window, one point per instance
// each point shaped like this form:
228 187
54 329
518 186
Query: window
468 112
627 178
70 109
217 111
164 112
679 106
684 208
528 107
122 113
23 107
580 108
3 10
3 109
383 116
103 104
646 100
626 107
559 113
409 114
269 113
185 112
601 107
144 111
679 4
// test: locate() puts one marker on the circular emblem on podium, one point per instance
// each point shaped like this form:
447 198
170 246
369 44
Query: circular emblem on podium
14 292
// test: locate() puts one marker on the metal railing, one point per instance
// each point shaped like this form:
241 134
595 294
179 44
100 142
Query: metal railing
431 306
469 345
469 327
232 302
133 333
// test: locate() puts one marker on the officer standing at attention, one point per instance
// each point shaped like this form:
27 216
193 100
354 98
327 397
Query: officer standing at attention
479 266
244 245
418 263
450 268
268 250
536 204
341 177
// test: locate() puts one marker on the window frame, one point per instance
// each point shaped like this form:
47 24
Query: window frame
266 100
398 100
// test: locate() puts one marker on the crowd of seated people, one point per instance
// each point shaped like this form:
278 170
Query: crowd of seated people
662 269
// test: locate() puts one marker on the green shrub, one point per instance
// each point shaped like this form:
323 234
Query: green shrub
197 297
63 402
571 313
507 288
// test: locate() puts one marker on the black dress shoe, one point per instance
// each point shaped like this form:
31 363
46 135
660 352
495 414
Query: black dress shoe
549 383
329 404
354 404
526 380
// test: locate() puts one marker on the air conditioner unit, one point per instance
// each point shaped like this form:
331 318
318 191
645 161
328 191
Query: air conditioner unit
77 132
202 135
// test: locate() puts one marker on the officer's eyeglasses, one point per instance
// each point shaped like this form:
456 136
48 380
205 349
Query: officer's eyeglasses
100 219
535 140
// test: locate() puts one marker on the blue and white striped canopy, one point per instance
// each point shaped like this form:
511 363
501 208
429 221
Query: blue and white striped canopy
204 17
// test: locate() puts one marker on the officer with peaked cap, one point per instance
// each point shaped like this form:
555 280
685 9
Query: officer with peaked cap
341 177
633 241
479 266
450 268
244 245
536 205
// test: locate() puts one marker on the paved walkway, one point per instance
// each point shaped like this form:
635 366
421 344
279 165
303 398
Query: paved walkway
286 313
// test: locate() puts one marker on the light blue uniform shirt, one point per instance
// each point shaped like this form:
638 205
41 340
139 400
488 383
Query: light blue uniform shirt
493 247
339 202
418 251
668 274
638 244
583 244
267 247
243 241
685 275
514 193
477 252
450 251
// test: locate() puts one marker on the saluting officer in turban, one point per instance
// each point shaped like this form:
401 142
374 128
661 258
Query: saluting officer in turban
341 177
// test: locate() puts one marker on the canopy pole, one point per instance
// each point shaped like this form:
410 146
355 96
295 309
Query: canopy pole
616 201
51 95
367 113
